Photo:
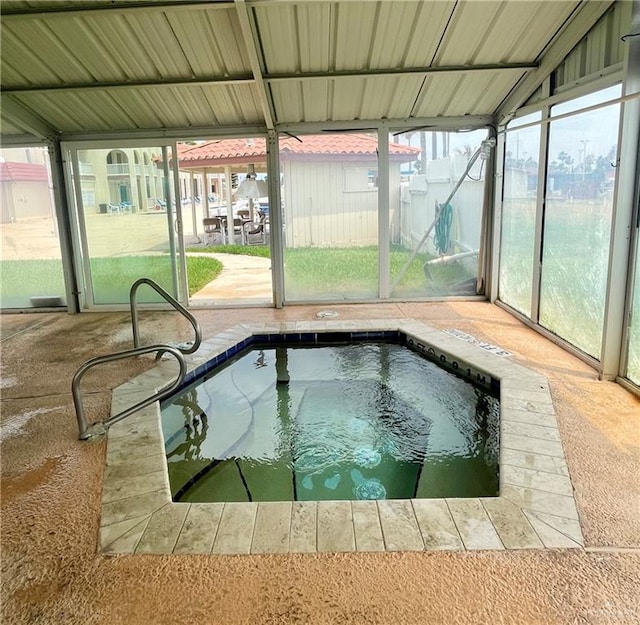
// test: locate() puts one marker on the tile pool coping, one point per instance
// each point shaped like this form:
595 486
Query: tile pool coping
535 509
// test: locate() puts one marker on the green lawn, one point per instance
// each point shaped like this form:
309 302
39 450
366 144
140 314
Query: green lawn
113 277
310 273
353 273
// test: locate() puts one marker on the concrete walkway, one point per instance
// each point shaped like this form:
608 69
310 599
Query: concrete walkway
242 278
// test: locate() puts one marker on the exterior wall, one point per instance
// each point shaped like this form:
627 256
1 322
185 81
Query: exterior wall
320 213
324 207
23 199
102 182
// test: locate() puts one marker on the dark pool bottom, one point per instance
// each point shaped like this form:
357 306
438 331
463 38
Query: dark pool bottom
369 420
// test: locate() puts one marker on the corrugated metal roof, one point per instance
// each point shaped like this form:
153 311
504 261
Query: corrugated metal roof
600 49
99 66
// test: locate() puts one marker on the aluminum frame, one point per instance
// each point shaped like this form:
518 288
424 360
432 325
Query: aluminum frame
79 247
624 234
631 116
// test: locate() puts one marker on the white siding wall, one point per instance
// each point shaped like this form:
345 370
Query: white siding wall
318 210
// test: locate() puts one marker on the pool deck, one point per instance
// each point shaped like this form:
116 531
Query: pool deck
536 508
53 568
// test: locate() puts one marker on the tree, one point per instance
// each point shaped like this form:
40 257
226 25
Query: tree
563 164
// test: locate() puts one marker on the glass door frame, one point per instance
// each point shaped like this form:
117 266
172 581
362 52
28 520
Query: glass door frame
633 284
614 346
385 130
82 265
485 244
629 196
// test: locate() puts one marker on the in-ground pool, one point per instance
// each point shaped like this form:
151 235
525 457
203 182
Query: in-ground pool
331 421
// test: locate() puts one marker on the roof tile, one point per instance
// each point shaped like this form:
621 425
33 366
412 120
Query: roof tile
330 143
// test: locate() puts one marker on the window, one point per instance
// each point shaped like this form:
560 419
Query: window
360 179
436 189
32 273
520 196
577 222
330 229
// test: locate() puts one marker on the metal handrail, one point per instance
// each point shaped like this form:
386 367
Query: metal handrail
171 300
87 431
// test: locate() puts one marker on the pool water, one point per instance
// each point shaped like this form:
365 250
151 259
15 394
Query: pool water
371 420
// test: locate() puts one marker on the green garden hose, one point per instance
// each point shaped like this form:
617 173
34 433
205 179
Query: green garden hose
442 231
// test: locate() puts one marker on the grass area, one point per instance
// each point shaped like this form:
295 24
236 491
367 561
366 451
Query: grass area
310 273
201 271
574 268
353 273
112 278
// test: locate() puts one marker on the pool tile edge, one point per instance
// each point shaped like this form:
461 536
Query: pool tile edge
538 517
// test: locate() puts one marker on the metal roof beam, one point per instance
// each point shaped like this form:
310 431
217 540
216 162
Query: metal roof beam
200 82
461 122
254 61
110 9
441 123
271 78
394 73
21 117
158 134
586 17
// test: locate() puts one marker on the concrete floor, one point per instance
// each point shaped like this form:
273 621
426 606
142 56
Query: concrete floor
51 488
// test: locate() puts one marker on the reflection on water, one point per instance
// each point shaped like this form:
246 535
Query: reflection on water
361 421
196 426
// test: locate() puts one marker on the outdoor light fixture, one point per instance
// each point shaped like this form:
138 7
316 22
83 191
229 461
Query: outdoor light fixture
250 188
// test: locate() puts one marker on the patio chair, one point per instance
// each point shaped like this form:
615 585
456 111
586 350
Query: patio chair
213 226
255 232
238 229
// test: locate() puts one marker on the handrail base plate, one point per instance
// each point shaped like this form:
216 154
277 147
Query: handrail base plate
94 432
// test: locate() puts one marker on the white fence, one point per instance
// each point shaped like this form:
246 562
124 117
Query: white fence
418 198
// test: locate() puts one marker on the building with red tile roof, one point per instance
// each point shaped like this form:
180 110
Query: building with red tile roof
25 191
330 146
328 179
22 172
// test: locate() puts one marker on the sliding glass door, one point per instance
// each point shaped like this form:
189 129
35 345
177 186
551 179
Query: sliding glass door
519 205
227 225
561 233
127 221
